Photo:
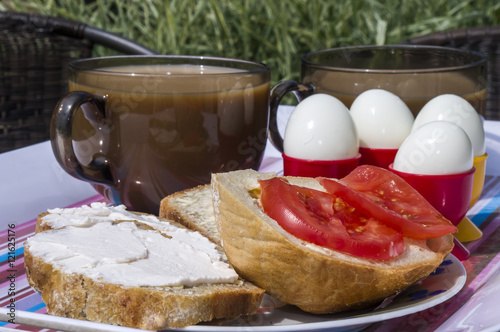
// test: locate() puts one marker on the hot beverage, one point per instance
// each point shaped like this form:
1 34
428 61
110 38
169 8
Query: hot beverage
414 89
416 74
167 127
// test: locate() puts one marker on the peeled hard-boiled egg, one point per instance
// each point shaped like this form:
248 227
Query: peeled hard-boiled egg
455 109
382 119
321 128
435 148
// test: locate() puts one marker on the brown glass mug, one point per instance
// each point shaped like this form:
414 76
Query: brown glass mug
414 73
139 128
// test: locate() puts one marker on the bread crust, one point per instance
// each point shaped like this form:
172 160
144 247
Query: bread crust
315 279
152 308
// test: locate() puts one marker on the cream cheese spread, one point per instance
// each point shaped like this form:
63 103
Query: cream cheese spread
111 244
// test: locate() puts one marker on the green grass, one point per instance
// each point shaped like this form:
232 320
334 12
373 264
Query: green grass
270 31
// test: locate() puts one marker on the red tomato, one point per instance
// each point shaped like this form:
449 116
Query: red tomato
387 197
328 221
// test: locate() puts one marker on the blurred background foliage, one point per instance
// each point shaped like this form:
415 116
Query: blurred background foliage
275 32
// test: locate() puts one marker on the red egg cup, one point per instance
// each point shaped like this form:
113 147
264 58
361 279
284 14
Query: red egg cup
314 168
377 157
450 194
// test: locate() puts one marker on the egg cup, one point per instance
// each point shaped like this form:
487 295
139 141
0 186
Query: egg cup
377 157
314 168
467 230
450 194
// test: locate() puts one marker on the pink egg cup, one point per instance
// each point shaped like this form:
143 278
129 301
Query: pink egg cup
449 194
314 168
377 157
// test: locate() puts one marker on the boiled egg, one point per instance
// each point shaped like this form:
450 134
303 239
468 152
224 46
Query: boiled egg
321 128
382 119
435 148
453 108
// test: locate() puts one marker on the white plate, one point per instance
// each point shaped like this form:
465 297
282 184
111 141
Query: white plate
447 281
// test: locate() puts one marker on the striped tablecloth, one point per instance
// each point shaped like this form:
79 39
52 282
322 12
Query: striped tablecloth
31 182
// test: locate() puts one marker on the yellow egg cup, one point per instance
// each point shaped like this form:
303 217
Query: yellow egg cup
467 230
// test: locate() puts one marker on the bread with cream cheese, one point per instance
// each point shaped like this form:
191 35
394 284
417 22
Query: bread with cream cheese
314 278
114 298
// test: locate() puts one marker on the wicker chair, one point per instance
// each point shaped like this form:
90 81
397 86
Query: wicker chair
34 54
482 39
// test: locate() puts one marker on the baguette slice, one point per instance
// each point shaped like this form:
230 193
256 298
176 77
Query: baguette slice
79 296
314 278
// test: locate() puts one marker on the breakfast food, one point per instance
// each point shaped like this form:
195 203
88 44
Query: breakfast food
382 119
321 128
109 265
453 108
194 209
435 148
314 276
320 139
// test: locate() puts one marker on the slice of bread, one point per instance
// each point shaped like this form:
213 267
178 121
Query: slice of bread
314 278
84 296
194 209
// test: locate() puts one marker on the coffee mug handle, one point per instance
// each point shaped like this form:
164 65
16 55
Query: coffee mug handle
62 141
301 91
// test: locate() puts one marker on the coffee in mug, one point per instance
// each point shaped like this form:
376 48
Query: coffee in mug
416 74
140 128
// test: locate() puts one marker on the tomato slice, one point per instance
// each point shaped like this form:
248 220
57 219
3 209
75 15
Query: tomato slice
328 221
387 197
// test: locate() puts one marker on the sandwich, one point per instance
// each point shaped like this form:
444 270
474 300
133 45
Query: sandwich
323 245
108 265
